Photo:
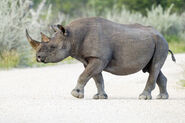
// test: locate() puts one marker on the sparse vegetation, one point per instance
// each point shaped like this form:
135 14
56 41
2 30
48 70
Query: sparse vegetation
183 81
9 59
177 47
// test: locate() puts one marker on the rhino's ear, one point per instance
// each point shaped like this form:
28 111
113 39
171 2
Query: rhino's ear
59 28
44 38
32 42
62 29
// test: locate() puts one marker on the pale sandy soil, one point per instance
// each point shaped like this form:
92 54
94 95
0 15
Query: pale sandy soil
42 95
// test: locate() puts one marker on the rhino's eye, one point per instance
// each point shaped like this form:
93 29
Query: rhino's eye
53 47
63 47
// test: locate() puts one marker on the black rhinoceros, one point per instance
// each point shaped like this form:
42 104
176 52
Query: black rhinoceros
103 45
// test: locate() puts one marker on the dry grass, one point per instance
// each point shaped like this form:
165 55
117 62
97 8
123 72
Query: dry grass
183 81
177 47
9 59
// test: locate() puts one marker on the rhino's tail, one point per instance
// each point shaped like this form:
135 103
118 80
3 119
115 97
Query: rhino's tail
173 57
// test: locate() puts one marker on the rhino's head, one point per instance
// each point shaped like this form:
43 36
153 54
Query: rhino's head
54 49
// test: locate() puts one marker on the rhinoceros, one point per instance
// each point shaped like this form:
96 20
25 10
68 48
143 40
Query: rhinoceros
103 45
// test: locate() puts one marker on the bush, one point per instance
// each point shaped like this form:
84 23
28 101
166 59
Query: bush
162 20
13 17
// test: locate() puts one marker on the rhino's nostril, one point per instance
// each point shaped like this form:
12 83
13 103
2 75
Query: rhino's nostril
38 59
41 58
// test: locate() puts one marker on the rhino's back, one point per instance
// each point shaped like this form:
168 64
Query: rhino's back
132 46
128 48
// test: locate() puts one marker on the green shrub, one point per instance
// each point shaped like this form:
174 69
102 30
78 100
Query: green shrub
166 22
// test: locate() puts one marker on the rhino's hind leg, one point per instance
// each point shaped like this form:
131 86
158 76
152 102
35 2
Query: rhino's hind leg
162 82
154 69
150 85
100 87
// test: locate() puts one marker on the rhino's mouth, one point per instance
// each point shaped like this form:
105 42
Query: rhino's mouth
48 60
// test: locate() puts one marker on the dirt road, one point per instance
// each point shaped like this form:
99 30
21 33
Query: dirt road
42 95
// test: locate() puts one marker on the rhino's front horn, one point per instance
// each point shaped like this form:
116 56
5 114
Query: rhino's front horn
32 42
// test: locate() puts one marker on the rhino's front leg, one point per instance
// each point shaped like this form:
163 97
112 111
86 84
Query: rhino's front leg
94 67
100 87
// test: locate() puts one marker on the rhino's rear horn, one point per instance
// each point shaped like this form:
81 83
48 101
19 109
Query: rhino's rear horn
44 38
32 42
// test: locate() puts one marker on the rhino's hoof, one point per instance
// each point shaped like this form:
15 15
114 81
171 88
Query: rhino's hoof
162 96
77 93
145 96
100 96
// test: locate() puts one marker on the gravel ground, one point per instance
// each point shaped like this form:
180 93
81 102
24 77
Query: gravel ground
42 95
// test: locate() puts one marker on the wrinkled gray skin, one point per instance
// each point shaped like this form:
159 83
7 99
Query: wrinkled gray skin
102 45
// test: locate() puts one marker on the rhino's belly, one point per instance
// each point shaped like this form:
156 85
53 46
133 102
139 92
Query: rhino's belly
124 70
129 64
118 68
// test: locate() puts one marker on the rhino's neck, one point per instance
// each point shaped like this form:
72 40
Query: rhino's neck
74 48
77 38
